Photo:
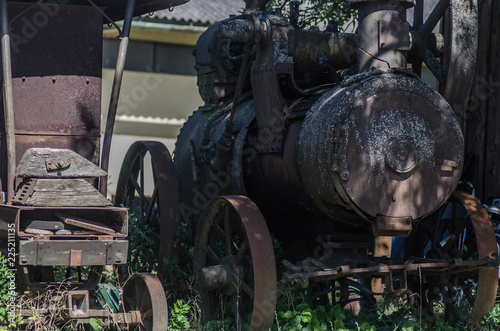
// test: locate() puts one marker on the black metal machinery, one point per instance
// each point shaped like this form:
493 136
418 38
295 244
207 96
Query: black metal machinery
54 215
332 143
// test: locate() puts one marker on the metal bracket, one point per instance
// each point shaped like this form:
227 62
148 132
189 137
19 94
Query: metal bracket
53 166
392 226
24 192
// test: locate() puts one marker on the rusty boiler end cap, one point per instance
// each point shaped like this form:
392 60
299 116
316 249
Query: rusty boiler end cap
404 149
401 156
355 4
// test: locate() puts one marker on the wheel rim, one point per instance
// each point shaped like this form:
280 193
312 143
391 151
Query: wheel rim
462 230
234 263
160 210
144 293
460 47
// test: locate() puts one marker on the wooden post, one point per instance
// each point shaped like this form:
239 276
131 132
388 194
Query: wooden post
482 135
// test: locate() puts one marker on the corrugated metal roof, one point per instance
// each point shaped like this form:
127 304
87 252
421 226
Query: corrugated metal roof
198 12
208 12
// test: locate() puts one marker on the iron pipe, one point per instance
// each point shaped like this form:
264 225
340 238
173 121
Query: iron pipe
115 94
8 101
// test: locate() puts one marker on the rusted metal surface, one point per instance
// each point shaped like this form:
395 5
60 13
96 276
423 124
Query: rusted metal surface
383 121
383 34
487 282
56 72
165 194
143 293
304 275
462 235
77 110
24 191
243 268
86 146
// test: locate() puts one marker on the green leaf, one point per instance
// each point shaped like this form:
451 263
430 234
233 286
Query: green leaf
307 316
96 324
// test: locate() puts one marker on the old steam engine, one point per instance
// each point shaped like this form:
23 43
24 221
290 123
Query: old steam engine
332 143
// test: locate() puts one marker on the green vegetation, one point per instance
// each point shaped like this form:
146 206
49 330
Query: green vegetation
7 295
297 308
316 12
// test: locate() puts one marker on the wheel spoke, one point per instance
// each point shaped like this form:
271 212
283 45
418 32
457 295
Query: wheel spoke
227 231
451 309
434 17
434 65
151 206
133 181
455 235
418 13
141 184
211 254
147 314
246 288
139 293
242 251
145 302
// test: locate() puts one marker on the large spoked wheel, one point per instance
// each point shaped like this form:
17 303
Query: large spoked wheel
460 230
458 48
234 264
154 202
144 295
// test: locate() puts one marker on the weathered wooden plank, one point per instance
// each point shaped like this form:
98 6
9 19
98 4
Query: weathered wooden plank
475 125
45 225
66 193
492 150
62 185
58 252
85 223
53 162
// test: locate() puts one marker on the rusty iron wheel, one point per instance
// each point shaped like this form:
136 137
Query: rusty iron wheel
144 293
154 204
235 269
456 47
463 230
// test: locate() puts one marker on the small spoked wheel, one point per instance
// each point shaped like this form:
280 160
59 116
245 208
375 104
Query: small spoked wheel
148 186
460 230
143 295
235 270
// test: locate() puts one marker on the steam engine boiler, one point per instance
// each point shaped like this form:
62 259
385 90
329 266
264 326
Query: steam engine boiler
320 129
